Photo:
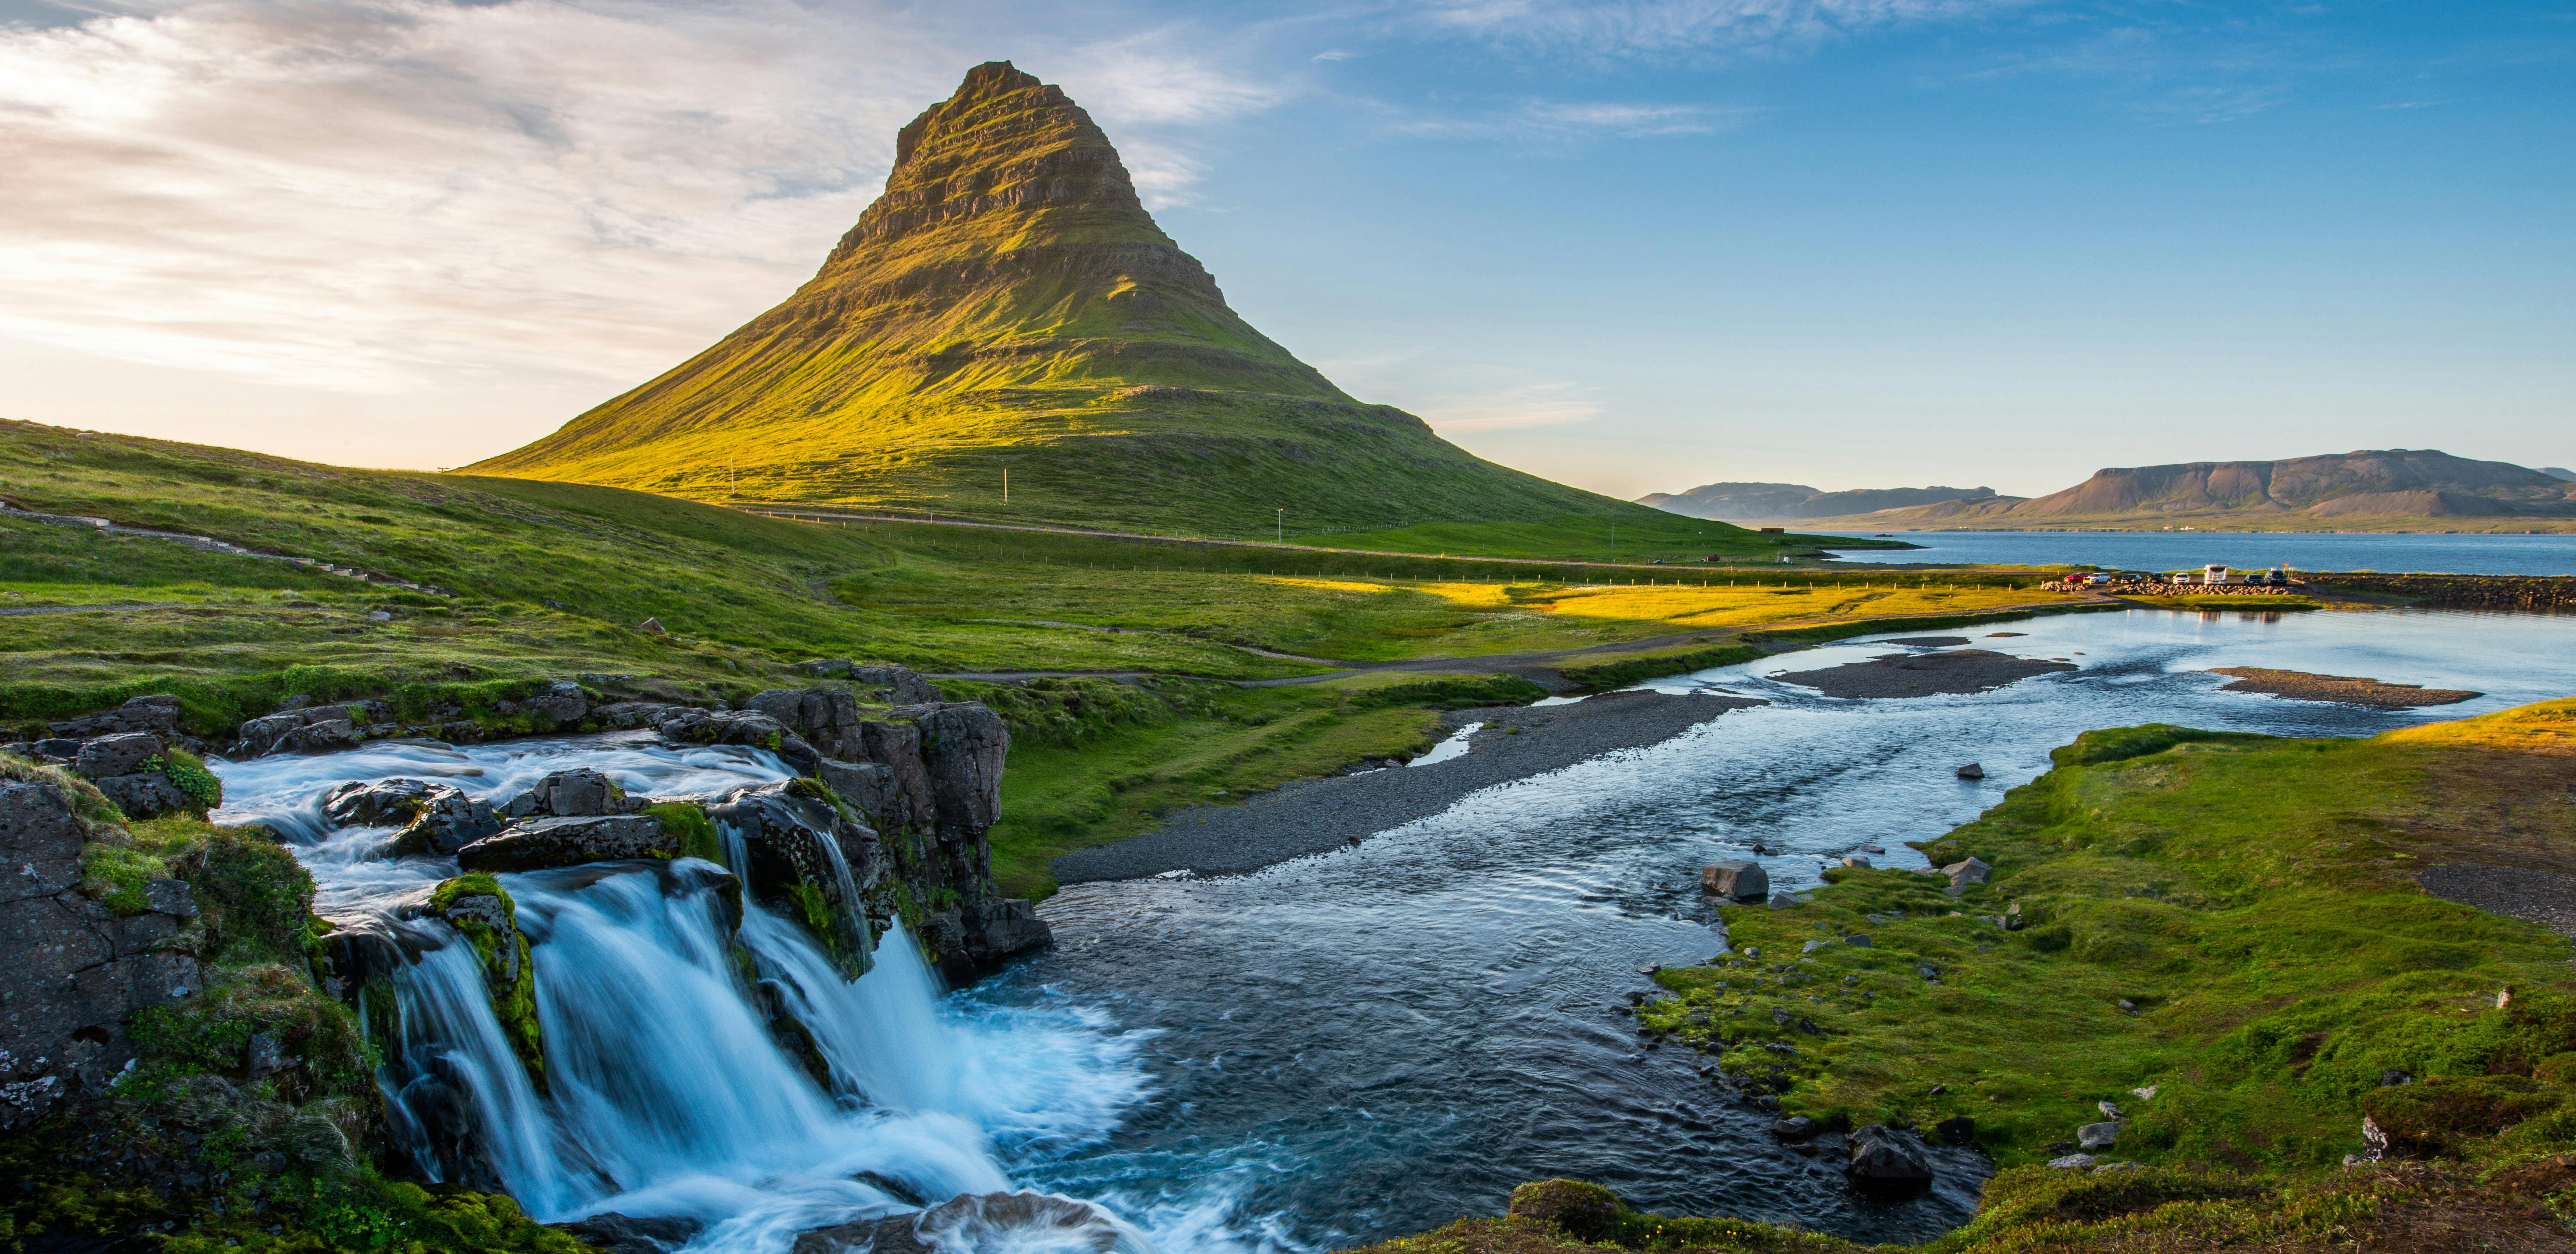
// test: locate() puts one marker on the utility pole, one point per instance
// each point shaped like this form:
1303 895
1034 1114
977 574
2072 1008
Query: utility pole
1006 485
1279 522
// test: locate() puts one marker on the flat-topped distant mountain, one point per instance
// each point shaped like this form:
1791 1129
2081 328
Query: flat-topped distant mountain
2368 490
1791 502
1008 312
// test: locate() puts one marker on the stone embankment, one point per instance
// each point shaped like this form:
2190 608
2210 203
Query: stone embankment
2477 592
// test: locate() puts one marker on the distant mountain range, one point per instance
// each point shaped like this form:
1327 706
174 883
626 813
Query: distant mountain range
2368 490
1007 334
1790 502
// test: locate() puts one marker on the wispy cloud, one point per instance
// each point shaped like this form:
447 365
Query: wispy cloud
361 193
1528 405
1572 120
1667 28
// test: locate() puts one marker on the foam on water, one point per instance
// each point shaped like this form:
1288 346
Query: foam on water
665 1091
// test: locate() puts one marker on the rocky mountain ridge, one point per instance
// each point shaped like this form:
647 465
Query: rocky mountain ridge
2369 489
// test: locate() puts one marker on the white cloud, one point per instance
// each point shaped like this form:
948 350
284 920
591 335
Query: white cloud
1527 405
363 194
1580 120
1665 28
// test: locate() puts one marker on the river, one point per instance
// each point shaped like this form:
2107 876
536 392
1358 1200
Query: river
1346 1047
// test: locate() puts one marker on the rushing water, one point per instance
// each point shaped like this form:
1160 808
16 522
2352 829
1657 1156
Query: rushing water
2480 554
1336 1049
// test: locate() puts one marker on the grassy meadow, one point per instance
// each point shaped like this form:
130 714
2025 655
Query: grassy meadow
531 580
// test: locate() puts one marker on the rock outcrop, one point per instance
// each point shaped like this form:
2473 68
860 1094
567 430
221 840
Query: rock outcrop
434 818
76 971
533 844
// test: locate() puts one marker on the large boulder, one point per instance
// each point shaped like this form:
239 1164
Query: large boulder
630 1234
531 844
123 753
1741 880
562 703
1886 1157
434 818
312 729
77 969
579 792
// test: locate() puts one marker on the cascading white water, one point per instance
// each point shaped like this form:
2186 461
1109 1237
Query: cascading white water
665 1092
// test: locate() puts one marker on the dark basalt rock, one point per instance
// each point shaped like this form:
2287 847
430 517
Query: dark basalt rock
77 970
435 818
157 714
123 753
1882 1157
531 844
579 792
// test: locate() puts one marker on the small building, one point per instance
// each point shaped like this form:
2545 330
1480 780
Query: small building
2215 573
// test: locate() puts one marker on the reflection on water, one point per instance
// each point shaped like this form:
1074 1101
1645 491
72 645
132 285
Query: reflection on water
2246 550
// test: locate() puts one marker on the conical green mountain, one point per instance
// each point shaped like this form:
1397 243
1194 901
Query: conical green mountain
1009 305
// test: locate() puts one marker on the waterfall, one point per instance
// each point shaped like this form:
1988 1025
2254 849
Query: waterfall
665 1091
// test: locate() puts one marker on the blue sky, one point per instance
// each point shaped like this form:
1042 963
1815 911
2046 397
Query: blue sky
1634 246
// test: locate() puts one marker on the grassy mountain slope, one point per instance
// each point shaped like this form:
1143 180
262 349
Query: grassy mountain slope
2369 490
1008 307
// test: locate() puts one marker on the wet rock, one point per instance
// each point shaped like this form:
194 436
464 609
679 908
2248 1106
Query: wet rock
1856 862
628 1234
1956 1130
1971 771
738 727
434 818
324 736
482 912
1882 1156
808 862
2097 1136
579 792
869 787
1793 1128
530 844
1742 880
1024 1221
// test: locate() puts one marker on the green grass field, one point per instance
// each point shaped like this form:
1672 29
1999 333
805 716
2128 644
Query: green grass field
2252 897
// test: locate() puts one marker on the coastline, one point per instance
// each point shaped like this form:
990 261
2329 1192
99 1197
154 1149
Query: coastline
1316 816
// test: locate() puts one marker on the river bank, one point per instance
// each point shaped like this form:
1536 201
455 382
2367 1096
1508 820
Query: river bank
1507 743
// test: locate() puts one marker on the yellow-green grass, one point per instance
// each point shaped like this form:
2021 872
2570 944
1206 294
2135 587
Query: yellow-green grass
1358 618
2252 897
1650 536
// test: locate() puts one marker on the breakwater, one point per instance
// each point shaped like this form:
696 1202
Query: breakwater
2481 592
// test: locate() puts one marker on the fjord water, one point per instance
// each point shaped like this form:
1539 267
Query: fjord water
2391 552
1334 1050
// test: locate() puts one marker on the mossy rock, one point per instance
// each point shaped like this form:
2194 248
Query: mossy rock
1587 1211
481 910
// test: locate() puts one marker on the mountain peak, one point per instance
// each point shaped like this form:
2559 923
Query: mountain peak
1009 301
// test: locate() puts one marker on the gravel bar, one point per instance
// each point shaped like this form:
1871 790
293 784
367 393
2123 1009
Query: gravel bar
1319 815
2547 898
1897 675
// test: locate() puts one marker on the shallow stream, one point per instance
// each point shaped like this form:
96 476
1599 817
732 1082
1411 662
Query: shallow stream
1338 1049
